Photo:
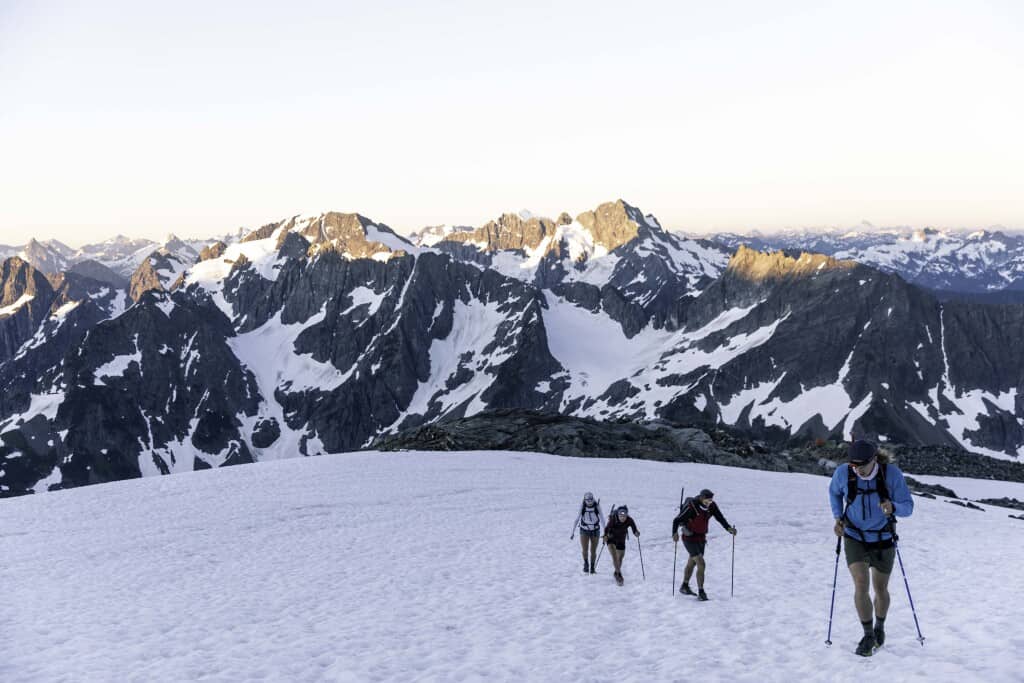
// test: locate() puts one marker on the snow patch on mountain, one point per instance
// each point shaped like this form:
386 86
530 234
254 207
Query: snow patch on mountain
389 239
45 404
118 365
474 327
596 353
269 353
593 348
971 406
12 308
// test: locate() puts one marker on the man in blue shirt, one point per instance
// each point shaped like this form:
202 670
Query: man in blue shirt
864 495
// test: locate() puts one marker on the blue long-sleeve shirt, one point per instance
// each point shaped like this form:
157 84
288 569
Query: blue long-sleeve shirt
865 513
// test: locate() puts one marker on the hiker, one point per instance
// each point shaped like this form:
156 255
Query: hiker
692 521
874 490
590 524
615 532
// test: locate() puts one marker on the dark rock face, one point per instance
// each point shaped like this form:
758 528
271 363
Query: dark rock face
851 335
518 430
1004 503
159 379
25 298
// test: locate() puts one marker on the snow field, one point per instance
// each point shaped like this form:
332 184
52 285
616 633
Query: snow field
459 566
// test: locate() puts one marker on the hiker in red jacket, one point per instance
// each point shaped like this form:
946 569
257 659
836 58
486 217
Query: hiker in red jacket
693 522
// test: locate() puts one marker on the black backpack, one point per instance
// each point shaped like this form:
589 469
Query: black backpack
880 487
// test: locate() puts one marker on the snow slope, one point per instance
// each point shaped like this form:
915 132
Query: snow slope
456 566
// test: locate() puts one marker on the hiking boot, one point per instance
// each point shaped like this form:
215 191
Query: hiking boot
701 595
586 567
593 570
684 588
867 645
879 636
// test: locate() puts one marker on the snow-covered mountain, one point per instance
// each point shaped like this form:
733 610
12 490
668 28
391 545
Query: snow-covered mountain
432 234
123 255
49 256
316 334
322 569
954 261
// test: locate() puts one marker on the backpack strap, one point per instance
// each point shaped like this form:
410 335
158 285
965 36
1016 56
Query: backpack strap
883 490
880 487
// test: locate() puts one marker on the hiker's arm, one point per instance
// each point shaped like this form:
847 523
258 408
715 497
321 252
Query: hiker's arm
902 501
836 492
632 525
681 521
719 516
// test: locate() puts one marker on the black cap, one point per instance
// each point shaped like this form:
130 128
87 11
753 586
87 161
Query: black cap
861 451
706 493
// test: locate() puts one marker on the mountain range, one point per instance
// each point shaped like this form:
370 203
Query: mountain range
980 265
318 334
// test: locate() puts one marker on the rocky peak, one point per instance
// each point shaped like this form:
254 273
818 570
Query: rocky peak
613 223
757 266
25 298
262 232
352 235
19 279
212 251
157 272
95 270
144 279
42 257
174 243
510 231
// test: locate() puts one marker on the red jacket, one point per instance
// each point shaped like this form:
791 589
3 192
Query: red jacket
695 520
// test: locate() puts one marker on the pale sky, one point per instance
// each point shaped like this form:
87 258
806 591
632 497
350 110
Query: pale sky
199 117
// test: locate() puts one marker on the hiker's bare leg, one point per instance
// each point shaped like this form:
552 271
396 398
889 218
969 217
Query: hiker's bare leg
688 571
861 590
881 584
700 571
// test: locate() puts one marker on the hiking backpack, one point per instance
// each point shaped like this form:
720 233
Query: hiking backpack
880 487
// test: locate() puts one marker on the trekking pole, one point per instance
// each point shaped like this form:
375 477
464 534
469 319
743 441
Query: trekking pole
576 523
732 576
896 544
675 544
601 551
675 561
641 550
835 576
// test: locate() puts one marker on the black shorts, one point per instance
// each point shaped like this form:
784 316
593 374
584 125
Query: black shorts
879 556
695 548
